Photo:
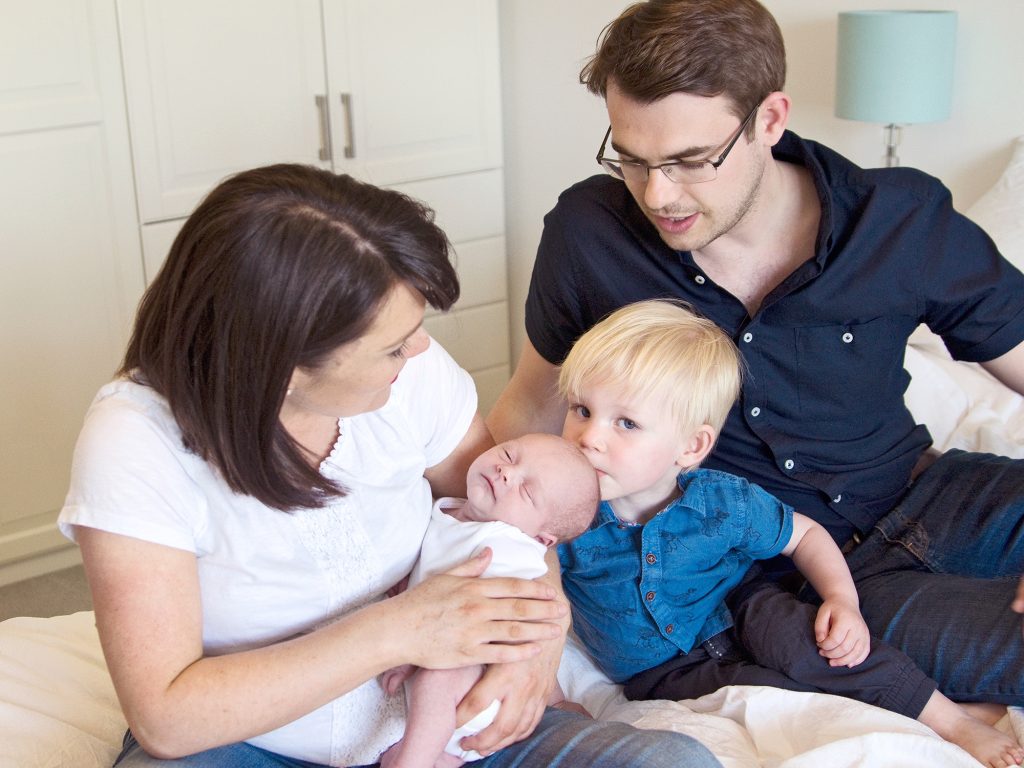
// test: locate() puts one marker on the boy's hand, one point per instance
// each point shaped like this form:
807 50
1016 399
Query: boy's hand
841 634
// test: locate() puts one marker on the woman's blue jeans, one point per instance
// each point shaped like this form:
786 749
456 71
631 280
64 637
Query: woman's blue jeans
561 740
936 576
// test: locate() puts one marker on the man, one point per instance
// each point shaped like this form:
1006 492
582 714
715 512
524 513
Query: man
820 271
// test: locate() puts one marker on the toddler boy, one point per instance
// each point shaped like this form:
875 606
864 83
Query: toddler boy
657 583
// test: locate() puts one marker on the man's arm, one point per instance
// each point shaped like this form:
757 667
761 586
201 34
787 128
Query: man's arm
1009 368
530 402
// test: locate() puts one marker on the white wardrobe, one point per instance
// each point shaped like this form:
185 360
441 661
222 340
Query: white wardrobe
117 116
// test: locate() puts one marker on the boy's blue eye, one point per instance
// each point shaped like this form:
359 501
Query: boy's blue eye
628 424
582 411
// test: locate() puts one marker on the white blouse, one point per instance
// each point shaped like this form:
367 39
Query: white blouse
266 575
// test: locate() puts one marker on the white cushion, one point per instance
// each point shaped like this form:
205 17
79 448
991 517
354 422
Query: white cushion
1000 211
57 704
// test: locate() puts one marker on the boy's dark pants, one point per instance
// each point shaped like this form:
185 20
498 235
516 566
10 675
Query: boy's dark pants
772 643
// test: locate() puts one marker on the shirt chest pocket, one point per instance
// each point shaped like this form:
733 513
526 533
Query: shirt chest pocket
602 566
851 371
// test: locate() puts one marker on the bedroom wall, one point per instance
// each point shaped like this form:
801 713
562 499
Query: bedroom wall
553 125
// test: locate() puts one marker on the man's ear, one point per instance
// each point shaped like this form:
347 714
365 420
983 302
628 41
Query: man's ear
773 117
547 539
695 449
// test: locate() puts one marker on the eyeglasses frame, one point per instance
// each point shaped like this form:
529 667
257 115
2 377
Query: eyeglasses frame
713 163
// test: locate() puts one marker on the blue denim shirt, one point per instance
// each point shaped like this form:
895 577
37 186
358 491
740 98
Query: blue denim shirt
642 594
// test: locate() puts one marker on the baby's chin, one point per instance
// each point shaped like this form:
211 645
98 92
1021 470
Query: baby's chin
477 507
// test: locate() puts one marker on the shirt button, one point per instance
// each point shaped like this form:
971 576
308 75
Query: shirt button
649 596
837 499
699 280
789 464
651 559
847 337
755 411
670 629
748 337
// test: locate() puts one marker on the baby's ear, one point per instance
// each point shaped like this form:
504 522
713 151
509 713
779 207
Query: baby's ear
547 539
694 449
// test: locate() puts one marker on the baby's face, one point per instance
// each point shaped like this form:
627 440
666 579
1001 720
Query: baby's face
516 482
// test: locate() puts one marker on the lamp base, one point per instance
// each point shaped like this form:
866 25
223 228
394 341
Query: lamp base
893 135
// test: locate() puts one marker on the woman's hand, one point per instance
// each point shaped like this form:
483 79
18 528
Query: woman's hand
454 619
841 634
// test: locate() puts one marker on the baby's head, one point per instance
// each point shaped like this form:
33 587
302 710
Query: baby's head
539 483
650 369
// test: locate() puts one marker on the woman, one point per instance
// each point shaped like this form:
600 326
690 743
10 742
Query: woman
261 473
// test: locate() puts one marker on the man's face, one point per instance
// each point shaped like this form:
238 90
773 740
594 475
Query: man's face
684 127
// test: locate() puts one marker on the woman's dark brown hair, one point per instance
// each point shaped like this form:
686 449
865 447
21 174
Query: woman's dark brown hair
276 268
700 47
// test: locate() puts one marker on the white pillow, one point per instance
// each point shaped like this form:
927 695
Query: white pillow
57 704
1000 211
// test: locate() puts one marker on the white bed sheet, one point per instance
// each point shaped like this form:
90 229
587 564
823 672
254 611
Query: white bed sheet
761 727
58 709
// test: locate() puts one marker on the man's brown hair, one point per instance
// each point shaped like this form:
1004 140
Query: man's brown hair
700 47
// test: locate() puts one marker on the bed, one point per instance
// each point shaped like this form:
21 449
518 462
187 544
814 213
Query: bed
58 707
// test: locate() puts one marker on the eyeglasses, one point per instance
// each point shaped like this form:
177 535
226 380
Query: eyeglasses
679 171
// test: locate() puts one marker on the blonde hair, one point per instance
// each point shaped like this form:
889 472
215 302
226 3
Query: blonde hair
660 349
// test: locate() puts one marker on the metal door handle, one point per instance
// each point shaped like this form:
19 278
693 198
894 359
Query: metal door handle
350 135
326 151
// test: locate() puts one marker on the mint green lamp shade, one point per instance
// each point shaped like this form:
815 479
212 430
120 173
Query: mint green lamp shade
895 67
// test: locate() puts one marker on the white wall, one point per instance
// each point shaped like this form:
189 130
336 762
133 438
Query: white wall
553 125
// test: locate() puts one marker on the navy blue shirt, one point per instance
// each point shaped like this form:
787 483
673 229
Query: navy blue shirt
821 421
643 594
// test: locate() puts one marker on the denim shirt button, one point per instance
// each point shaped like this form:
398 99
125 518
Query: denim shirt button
649 596
669 629
789 464
699 280
651 559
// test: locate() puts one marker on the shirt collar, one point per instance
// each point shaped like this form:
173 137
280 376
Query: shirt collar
792 149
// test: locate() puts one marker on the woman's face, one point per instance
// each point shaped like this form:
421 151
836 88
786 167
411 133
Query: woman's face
357 376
